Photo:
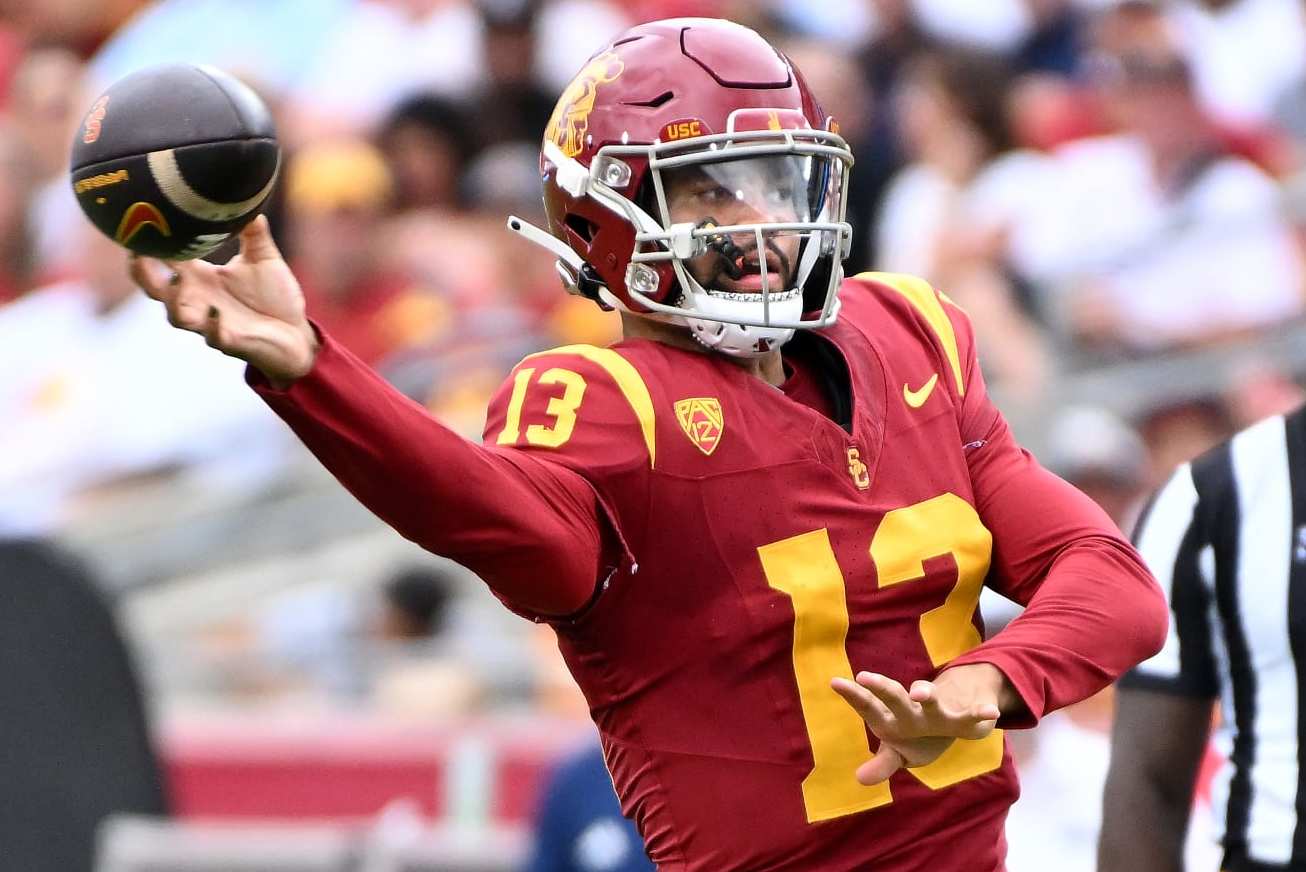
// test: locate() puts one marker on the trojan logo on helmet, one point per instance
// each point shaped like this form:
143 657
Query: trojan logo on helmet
570 119
739 236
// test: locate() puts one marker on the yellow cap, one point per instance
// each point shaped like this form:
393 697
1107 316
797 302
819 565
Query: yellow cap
339 174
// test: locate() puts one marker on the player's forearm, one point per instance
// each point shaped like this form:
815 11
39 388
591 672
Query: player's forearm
534 542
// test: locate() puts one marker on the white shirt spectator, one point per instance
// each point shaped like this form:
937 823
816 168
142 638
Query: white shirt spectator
1244 56
378 54
89 397
270 41
569 31
1219 256
995 25
921 203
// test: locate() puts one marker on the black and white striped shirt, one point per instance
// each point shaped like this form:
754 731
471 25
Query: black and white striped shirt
1226 539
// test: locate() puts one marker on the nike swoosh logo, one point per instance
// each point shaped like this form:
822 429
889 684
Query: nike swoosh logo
916 398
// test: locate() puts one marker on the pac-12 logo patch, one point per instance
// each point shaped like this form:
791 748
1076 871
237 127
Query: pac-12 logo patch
702 420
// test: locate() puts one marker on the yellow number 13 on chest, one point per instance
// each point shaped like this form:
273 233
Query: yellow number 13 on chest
804 567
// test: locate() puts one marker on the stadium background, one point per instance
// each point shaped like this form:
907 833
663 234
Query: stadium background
1113 190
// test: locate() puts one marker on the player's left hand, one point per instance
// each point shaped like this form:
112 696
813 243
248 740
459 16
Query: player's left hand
916 726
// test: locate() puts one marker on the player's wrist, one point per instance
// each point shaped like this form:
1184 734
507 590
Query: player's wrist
986 682
292 360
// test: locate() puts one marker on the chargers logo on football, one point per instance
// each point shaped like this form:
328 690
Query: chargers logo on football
702 420
137 216
571 117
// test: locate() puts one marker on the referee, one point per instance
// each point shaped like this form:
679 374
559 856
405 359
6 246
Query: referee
1226 539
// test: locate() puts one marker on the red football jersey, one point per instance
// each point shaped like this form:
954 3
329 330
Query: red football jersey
773 550
760 549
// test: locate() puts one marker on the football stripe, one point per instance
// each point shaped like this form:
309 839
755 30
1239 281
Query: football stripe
167 174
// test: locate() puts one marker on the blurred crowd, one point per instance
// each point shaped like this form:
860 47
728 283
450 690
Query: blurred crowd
1093 180
1098 182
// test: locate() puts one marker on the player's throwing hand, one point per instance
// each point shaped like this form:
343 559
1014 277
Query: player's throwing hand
251 308
915 727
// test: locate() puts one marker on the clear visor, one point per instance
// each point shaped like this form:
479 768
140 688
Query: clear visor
751 190
760 223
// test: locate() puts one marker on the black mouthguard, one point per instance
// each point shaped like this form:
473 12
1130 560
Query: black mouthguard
721 244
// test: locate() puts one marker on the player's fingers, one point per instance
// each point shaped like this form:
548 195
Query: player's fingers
875 713
877 769
922 691
152 276
194 273
213 328
256 243
892 694
974 723
977 729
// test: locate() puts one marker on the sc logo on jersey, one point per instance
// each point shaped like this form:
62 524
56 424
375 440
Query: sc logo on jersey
861 476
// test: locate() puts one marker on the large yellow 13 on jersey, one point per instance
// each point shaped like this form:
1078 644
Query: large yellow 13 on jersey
804 567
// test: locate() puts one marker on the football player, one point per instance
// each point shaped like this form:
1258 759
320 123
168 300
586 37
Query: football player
761 522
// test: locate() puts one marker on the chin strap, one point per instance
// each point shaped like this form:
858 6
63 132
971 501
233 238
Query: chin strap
578 277
561 250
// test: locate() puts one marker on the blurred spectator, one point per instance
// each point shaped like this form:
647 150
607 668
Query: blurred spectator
951 109
1102 456
75 24
415 605
1054 41
897 37
271 42
1261 388
995 25
426 141
77 747
509 105
16 189
840 84
45 100
99 389
841 25
337 195
967 195
405 643
45 106
1176 431
1156 236
504 179
1244 53
380 50
579 827
567 32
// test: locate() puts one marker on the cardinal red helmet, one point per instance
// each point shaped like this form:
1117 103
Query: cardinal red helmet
690 173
